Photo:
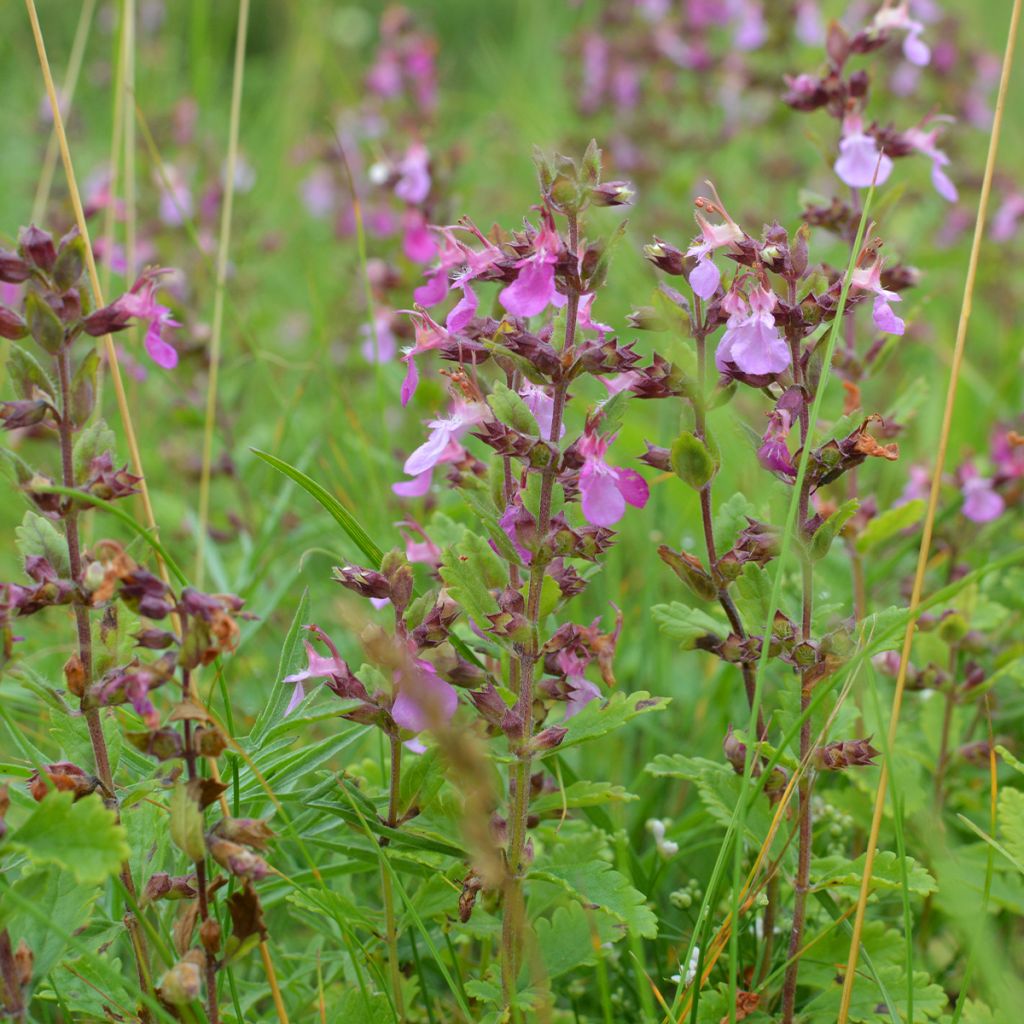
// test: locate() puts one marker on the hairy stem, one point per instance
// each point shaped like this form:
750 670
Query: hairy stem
210 968
803 869
84 632
514 909
390 921
748 669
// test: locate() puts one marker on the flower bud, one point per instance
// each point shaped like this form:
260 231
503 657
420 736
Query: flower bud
70 261
17 415
37 247
13 269
181 984
209 936
12 325
612 193
647 318
666 257
251 831
163 886
364 582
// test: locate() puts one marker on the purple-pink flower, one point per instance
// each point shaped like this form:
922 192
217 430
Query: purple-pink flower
897 18
860 160
981 502
441 446
606 490
870 279
534 290
413 183
141 304
424 700
751 341
924 143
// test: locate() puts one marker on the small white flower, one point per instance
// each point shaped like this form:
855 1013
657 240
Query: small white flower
379 173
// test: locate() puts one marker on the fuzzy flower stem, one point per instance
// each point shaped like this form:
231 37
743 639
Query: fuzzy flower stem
390 920
84 631
700 429
515 910
803 869
189 748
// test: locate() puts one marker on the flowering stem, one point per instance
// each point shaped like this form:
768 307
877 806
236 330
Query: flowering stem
390 922
700 429
515 909
212 1011
10 989
803 869
65 428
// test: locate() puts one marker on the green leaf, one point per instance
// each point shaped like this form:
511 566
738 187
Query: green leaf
596 884
565 941
83 388
1011 821
186 824
38 536
686 624
484 512
841 873
339 513
581 794
64 902
599 718
468 573
508 406
272 710
753 593
28 375
691 460
829 530
84 838
43 323
96 439
888 524
730 518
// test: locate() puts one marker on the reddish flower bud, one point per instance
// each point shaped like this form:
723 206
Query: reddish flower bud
37 247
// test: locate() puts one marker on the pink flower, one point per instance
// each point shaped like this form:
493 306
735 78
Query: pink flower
429 335
581 690
981 503
417 241
441 446
751 341
424 699
705 278
318 192
606 490
870 279
318 666
919 482
463 311
379 345
924 143
175 198
1004 223
534 290
897 18
713 236
424 551
141 304
542 405
774 452
860 161
413 183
